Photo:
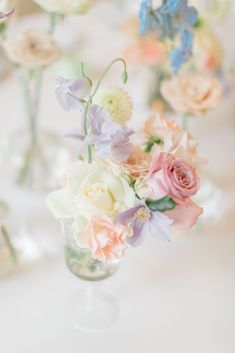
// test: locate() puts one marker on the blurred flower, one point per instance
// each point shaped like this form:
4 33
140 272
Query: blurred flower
118 103
174 18
143 221
91 189
64 7
164 135
145 50
170 177
105 240
71 93
192 93
32 49
138 162
209 52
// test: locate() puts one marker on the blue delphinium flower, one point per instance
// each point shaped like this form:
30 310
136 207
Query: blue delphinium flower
171 20
146 17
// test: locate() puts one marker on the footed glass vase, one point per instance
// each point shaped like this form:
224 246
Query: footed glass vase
90 309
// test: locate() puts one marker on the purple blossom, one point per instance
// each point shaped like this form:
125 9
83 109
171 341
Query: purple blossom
109 139
71 93
142 221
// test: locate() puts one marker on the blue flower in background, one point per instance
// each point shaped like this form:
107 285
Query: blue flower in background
146 17
173 20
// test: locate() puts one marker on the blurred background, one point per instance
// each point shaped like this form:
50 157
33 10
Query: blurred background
173 298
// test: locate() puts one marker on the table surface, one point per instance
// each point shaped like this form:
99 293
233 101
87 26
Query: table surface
176 297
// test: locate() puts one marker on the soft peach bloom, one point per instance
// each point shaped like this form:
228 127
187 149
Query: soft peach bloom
138 162
209 52
185 214
175 178
105 240
172 139
192 93
147 50
32 49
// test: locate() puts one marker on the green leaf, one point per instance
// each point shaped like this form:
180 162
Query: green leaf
161 205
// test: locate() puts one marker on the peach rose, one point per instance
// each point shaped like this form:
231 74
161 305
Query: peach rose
175 178
32 49
138 162
105 240
171 138
192 93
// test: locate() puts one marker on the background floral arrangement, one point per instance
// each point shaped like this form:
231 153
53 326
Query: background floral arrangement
120 190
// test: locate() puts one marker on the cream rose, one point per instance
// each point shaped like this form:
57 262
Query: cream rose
192 93
64 7
91 190
32 49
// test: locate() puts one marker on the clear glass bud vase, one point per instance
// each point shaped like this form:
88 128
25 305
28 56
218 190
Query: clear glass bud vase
90 309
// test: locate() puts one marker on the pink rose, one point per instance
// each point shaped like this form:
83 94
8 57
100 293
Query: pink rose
105 240
175 178
184 215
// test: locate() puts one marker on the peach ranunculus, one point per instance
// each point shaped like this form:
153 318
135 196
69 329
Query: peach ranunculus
32 49
138 162
170 177
105 240
147 50
192 93
171 138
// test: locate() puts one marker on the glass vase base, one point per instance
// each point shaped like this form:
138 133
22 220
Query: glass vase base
93 311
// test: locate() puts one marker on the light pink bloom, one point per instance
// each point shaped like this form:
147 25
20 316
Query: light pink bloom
105 240
184 215
175 178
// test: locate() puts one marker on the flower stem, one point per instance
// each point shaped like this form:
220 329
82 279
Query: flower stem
89 101
53 22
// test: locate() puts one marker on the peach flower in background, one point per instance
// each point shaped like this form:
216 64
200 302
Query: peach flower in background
170 177
192 93
32 49
208 50
105 240
147 50
173 139
138 162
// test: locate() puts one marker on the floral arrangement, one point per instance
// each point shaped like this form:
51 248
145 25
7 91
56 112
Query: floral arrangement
125 184
185 36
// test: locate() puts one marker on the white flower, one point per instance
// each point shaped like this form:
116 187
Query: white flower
64 7
91 189
32 49
118 103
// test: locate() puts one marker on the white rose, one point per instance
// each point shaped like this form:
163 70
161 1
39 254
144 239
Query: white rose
64 7
91 189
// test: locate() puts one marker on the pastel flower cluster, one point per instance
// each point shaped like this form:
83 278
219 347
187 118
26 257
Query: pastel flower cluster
174 19
126 184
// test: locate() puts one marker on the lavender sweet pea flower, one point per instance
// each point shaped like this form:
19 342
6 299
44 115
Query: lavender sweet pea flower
109 139
71 93
142 221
